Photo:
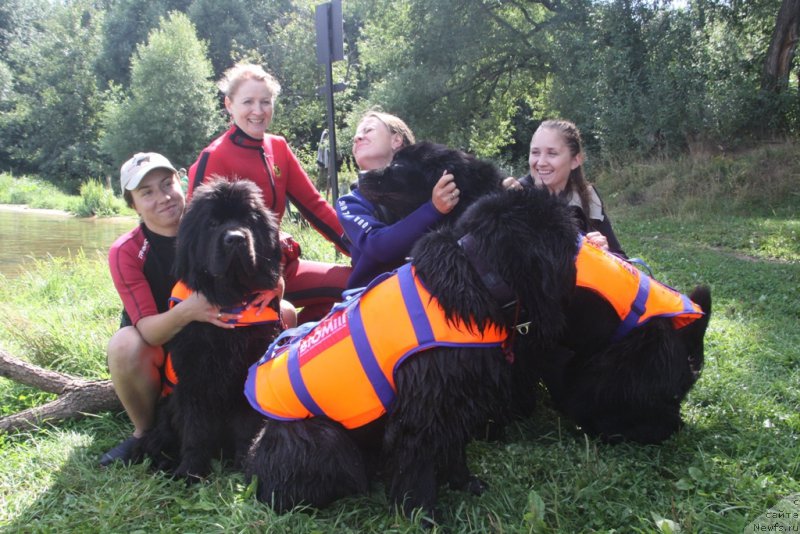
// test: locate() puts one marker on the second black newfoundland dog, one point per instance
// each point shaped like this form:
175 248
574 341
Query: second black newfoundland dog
631 351
227 249
415 365
406 184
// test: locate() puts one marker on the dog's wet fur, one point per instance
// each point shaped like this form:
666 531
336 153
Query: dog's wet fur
408 181
444 395
227 249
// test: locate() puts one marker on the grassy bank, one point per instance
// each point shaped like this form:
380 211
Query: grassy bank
736 458
94 198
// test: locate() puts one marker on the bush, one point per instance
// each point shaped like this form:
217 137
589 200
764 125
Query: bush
96 199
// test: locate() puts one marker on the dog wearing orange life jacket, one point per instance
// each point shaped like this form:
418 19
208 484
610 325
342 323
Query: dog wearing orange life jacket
631 351
399 379
228 249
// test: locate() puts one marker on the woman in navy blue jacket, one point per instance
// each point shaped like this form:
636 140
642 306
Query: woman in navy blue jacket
376 246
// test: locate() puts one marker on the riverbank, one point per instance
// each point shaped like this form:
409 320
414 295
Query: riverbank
94 197
24 208
39 211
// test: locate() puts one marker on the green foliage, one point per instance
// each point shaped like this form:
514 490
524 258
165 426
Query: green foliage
35 193
97 199
171 107
639 77
53 126
237 26
457 76
127 23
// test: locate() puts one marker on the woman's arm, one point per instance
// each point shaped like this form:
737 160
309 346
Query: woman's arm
381 242
160 328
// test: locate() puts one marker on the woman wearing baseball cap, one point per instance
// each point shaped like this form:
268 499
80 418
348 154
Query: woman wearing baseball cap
141 267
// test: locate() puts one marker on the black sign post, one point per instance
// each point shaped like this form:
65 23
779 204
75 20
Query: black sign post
330 48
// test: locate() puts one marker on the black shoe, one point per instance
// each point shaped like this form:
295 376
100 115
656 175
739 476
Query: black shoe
121 452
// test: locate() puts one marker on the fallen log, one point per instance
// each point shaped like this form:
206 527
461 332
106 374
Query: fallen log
77 397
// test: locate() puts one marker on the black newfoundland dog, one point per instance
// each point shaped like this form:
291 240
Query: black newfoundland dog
227 249
631 351
412 368
406 184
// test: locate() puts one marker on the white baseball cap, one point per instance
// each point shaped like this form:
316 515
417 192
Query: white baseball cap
138 166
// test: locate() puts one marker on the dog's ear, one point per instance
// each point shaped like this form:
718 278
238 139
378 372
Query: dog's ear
184 244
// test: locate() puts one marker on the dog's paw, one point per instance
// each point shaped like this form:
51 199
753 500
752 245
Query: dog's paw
191 474
473 485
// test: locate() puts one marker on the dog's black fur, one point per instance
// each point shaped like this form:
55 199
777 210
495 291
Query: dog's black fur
227 249
407 182
443 394
630 389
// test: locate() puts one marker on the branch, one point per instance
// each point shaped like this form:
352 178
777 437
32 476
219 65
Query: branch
77 397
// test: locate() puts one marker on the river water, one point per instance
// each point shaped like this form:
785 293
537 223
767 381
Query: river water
27 234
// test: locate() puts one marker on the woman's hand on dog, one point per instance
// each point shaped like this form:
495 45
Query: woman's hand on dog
197 308
597 239
265 297
445 193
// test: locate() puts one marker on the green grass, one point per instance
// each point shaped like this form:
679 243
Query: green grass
737 456
94 199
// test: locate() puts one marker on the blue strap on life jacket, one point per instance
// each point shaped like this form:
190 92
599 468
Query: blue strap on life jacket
414 306
299 385
366 356
641 264
637 309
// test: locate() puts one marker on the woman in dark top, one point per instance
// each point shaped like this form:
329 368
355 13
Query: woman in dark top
556 162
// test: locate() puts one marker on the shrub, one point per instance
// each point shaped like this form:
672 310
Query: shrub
96 199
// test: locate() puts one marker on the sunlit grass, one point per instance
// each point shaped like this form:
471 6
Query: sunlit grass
737 456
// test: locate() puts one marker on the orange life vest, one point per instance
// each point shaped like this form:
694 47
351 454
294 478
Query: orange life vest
343 367
181 292
636 297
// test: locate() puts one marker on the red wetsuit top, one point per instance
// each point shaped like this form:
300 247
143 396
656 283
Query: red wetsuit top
272 165
141 268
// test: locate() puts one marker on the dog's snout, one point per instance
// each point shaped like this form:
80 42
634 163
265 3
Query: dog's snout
234 237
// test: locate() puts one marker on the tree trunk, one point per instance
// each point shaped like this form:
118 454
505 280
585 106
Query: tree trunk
780 54
76 396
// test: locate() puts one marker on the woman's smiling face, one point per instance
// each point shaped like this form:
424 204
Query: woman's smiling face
550 159
251 107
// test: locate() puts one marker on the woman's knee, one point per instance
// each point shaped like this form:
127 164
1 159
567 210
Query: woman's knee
127 351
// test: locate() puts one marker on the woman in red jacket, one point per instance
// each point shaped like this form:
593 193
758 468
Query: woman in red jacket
247 151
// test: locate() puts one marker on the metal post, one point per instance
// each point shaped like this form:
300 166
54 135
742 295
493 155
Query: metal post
330 48
333 175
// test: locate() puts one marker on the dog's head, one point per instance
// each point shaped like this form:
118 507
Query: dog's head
408 181
527 238
227 246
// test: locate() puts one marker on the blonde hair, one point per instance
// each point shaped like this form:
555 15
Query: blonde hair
393 123
241 72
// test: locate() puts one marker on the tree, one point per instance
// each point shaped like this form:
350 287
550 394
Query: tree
171 106
780 54
127 23
52 126
458 72
236 25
